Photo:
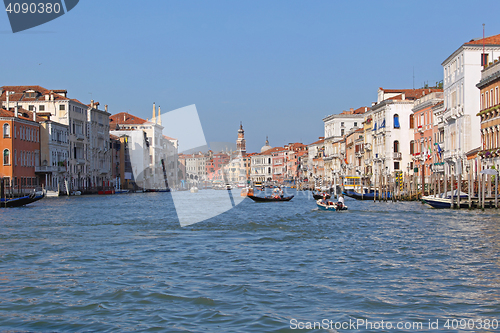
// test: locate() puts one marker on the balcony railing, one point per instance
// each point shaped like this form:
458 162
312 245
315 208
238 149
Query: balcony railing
80 136
368 146
46 169
396 156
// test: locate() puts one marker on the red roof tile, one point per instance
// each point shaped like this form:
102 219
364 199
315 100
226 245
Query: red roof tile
492 40
21 111
317 142
18 94
410 94
124 118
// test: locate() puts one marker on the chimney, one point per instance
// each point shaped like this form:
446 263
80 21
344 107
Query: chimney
374 103
34 115
124 117
106 107
16 111
47 97
51 96
92 103
366 109
351 109
8 93
403 96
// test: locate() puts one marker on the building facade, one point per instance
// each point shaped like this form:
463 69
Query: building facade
489 115
462 71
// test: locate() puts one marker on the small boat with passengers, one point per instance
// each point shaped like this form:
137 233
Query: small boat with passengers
321 195
329 205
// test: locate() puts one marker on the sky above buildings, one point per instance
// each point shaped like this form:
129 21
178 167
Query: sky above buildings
277 66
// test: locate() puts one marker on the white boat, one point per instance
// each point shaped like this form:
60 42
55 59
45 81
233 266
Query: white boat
443 200
51 194
194 189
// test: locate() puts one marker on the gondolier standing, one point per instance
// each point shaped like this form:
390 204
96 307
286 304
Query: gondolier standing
340 202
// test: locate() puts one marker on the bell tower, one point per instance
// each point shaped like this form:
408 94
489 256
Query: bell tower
240 143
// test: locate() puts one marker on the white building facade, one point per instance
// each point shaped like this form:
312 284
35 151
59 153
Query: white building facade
462 71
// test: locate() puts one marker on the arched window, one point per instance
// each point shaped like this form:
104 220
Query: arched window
6 157
411 147
396 146
396 121
412 125
6 130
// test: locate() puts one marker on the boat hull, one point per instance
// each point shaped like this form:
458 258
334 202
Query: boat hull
329 206
22 201
440 203
366 196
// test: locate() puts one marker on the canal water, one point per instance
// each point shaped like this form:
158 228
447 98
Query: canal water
122 263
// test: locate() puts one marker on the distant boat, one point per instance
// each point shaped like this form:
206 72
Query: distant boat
22 201
367 196
157 190
52 194
318 196
102 192
194 189
269 199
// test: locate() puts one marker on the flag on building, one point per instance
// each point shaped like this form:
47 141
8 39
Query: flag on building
439 150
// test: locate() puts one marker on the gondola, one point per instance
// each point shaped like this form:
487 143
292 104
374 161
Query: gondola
269 199
318 196
22 201
329 205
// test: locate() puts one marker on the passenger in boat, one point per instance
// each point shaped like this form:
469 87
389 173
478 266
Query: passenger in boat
340 202
324 201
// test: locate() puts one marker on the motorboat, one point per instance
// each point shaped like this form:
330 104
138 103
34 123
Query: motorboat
194 189
329 205
443 200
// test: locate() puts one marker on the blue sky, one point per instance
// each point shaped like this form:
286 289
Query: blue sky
278 66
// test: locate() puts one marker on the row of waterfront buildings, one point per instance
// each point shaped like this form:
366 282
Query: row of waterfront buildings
52 140
451 128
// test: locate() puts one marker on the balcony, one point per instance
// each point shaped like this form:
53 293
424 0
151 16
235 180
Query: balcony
80 161
46 169
79 136
103 171
368 146
438 167
368 161
420 129
396 156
